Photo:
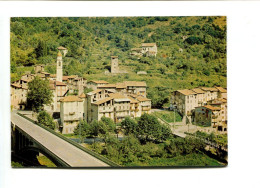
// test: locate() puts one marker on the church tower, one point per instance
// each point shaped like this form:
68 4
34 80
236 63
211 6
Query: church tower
59 68
114 64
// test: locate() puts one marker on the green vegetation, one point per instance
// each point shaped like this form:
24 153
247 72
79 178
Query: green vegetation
45 119
43 160
146 143
169 116
16 164
191 50
39 94
220 138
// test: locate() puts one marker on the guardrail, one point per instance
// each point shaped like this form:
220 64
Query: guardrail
105 160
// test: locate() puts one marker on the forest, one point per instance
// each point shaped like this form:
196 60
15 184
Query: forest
191 50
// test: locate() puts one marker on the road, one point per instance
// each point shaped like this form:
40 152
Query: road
64 150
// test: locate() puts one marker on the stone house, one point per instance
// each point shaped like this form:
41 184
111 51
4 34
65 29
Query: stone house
71 112
149 49
207 116
94 84
222 93
116 107
38 68
18 96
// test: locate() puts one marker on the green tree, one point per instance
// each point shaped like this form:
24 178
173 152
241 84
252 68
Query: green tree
39 94
45 119
83 129
150 129
129 125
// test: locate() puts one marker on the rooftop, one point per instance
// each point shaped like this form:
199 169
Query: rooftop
198 90
221 89
61 48
102 101
209 89
148 44
135 83
186 92
71 98
211 107
142 99
99 81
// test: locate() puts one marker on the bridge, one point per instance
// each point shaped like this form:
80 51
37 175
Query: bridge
29 139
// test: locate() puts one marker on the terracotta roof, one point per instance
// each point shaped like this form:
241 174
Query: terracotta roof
135 83
99 81
186 92
114 56
198 90
141 99
117 96
58 83
148 44
72 76
218 101
221 89
94 92
120 85
16 85
83 95
61 48
53 75
209 89
132 100
103 100
211 107
26 80
64 77
71 98
108 86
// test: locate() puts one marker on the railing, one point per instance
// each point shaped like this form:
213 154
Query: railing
105 160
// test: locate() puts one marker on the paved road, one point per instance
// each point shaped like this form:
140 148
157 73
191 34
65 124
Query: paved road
66 151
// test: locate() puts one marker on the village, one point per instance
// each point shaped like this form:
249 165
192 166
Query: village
203 107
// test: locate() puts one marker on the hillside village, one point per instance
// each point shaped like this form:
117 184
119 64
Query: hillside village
201 106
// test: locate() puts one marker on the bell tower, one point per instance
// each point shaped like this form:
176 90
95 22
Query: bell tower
59 67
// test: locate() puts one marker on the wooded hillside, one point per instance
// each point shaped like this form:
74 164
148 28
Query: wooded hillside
191 50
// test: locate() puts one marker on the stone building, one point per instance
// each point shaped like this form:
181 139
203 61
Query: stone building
18 96
38 68
213 115
94 84
71 112
149 49
116 107
127 87
187 100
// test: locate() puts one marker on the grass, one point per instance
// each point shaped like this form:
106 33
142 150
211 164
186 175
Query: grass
168 116
43 160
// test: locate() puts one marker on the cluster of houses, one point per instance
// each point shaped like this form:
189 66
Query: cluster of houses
115 101
205 106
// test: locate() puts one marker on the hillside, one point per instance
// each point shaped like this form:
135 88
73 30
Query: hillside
191 50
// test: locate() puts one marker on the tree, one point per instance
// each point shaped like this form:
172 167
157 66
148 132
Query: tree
129 125
150 129
109 124
83 129
45 119
39 94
